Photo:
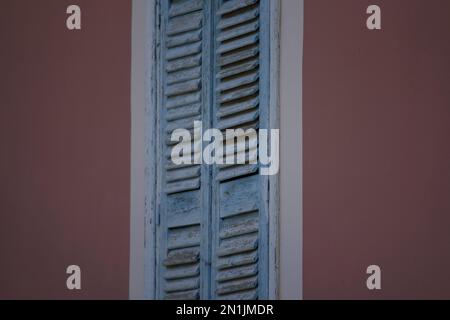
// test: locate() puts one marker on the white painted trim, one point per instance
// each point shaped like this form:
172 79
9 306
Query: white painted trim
291 199
274 116
140 224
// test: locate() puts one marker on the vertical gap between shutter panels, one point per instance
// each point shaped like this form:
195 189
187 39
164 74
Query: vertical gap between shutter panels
210 113
212 171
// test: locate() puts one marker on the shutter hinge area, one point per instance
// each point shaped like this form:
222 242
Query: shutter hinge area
158 216
159 19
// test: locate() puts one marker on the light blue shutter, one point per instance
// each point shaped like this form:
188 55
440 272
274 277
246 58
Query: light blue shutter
240 244
181 203
212 232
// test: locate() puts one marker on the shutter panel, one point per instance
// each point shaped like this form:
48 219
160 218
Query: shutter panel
212 234
180 233
240 242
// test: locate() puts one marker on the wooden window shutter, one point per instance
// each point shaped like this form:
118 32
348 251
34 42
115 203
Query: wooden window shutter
213 67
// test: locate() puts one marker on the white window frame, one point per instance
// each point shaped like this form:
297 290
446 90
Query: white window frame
285 213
